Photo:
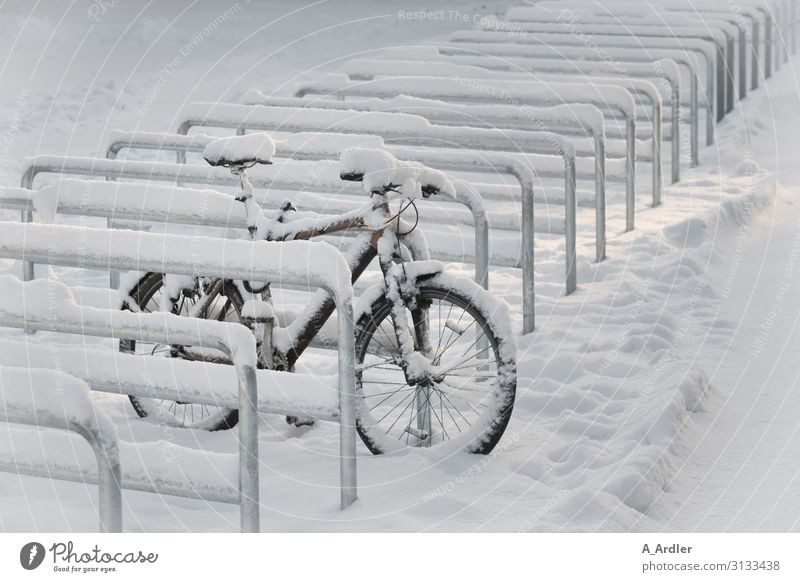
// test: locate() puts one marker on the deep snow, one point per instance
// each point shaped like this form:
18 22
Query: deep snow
636 407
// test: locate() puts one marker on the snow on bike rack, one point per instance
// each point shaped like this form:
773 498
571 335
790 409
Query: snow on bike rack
235 259
165 204
715 46
400 129
280 177
316 146
580 54
112 169
47 305
208 383
662 71
752 10
370 70
587 119
673 16
43 398
483 42
416 131
304 146
456 160
723 34
485 91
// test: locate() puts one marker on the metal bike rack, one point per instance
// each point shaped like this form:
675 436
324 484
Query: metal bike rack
400 129
665 70
281 180
67 246
175 205
580 53
113 169
237 342
466 195
664 15
170 204
585 21
713 58
586 119
415 131
750 9
369 70
87 421
609 98
641 36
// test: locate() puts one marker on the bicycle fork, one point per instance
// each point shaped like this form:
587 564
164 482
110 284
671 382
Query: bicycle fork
413 338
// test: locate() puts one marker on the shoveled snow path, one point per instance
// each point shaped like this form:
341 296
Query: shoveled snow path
737 466
741 472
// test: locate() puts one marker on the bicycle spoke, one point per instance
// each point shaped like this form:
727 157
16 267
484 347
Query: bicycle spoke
378 367
461 389
395 408
473 344
465 401
464 356
445 436
391 392
441 330
452 329
441 415
384 400
433 409
456 409
401 414
454 341
369 366
461 365
380 343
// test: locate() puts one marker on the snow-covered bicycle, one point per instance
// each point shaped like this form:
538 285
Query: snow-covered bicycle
435 356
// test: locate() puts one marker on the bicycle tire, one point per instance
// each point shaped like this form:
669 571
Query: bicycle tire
218 418
490 316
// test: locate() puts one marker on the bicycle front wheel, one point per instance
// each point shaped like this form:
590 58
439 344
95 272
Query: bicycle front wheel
468 404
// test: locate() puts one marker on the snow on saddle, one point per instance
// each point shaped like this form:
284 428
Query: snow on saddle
240 150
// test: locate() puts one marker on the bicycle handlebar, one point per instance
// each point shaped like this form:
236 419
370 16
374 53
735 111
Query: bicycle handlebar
428 190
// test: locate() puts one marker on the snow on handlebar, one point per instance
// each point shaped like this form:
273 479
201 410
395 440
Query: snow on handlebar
380 172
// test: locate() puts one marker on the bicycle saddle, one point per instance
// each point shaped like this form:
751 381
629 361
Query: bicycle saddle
240 150
380 171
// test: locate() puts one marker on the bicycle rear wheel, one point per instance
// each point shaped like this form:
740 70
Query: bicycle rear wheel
469 404
149 296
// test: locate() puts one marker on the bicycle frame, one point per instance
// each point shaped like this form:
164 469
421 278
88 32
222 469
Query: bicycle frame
316 315
359 256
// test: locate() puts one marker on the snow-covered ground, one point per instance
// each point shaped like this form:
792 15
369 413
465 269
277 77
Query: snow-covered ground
659 396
